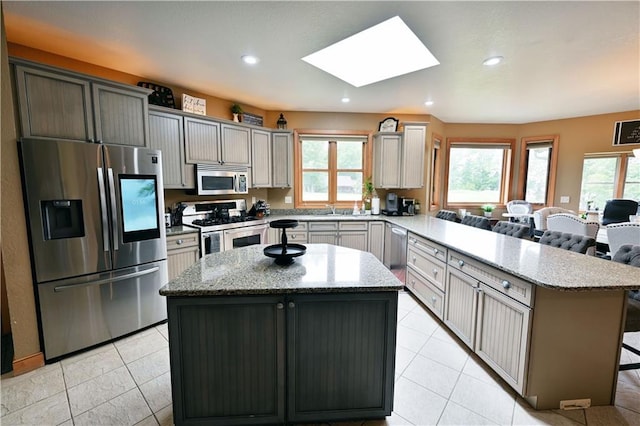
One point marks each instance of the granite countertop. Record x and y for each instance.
(180, 229)
(534, 262)
(323, 269)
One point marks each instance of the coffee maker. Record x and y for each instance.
(408, 206)
(392, 205)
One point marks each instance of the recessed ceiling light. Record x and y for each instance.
(494, 60)
(364, 58)
(345, 100)
(428, 103)
(250, 59)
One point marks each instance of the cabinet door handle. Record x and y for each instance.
(292, 305)
(461, 262)
(414, 259)
(433, 300)
(413, 282)
(436, 251)
(280, 305)
(506, 284)
(179, 242)
(435, 272)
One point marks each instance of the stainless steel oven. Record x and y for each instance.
(245, 236)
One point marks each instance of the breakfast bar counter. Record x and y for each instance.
(252, 342)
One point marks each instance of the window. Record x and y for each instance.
(478, 170)
(538, 161)
(331, 168)
(608, 176)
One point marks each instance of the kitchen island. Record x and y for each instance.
(252, 342)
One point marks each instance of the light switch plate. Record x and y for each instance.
(565, 199)
(288, 200)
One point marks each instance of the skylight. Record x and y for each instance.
(383, 51)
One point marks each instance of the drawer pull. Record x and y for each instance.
(506, 284)
(435, 272)
(433, 300)
(461, 262)
(178, 242)
(413, 282)
(436, 251)
(280, 306)
(414, 259)
(292, 305)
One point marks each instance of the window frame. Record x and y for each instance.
(437, 154)
(367, 157)
(554, 140)
(620, 174)
(508, 161)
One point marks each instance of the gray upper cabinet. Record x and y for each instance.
(166, 134)
(120, 115)
(398, 157)
(59, 104)
(236, 145)
(260, 158)
(387, 154)
(414, 140)
(201, 141)
(282, 143)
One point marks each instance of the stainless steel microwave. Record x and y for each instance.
(215, 180)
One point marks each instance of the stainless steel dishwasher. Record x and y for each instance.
(395, 250)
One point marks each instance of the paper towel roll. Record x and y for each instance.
(375, 205)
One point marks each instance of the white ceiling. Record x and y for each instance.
(562, 59)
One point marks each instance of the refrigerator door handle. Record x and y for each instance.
(114, 212)
(107, 280)
(103, 210)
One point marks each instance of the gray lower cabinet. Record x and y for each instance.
(376, 239)
(282, 358)
(60, 104)
(351, 234)
(183, 250)
(166, 134)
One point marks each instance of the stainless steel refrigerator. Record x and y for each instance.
(98, 244)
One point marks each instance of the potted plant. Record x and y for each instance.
(236, 110)
(488, 209)
(368, 192)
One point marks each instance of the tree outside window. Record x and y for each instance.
(598, 181)
(478, 171)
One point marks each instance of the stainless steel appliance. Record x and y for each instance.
(408, 206)
(395, 250)
(221, 180)
(97, 239)
(224, 225)
(393, 205)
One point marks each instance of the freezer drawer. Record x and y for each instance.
(81, 312)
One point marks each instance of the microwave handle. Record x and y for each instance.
(236, 183)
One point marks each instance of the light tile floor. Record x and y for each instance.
(437, 382)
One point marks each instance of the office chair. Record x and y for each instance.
(618, 210)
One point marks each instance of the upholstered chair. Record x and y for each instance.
(630, 255)
(520, 207)
(566, 241)
(618, 210)
(620, 234)
(448, 215)
(512, 229)
(572, 224)
(477, 222)
(540, 218)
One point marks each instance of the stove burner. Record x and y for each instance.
(212, 221)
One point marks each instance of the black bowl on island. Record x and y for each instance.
(284, 253)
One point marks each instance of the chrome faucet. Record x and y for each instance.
(332, 207)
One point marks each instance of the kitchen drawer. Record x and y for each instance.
(353, 226)
(506, 284)
(302, 226)
(428, 266)
(431, 296)
(181, 241)
(295, 236)
(323, 226)
(427, 247)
